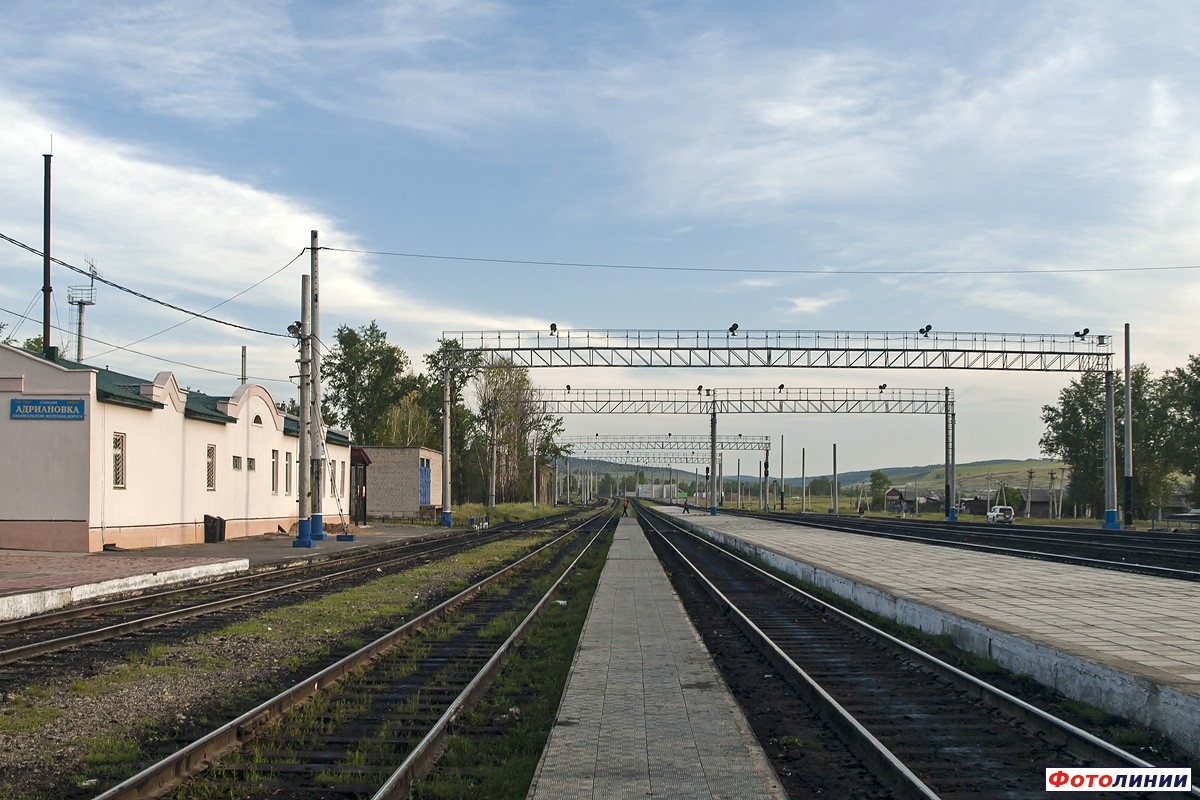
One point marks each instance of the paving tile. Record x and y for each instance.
(659, 721)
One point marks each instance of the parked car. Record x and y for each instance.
(1001, 514)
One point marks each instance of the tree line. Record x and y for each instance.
(1165, 413)
(372, 390)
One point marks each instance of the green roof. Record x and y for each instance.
(125, 390)
(203, 407)
(291, 427)
(114, 387)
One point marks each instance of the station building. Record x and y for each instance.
(92, 457)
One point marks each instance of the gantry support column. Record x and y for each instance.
(951, 489)
(447, 518)
(712, 461)
(1111, 522)
(1128, 438)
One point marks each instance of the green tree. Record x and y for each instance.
(817, 488)
(510, 413)
(880, 483)
(1075, 434)
(410, 423)
(1181, 417)
(366, 377)
(34, 344)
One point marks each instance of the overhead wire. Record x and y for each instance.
(218, 305)
(755, 270)
(143, 296)
(162, 358)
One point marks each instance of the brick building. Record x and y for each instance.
(403, 482)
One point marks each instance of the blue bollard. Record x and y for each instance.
(303, 539)
(318, 528)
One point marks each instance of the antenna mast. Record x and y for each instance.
(82, 296)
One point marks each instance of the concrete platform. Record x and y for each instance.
(645, 713)
(1129, 644)
(35, 582)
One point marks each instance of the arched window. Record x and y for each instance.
(257, 419)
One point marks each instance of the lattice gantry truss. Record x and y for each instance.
(744, 401)
(639, 445)
(926, 349)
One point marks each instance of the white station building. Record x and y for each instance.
(92, 457)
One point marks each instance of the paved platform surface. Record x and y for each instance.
(1143, 627)
(33, 582)
(645, 713)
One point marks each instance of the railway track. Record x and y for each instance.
(36, 647)
(369, 724)
(97, 636)
(877, 717)
(1166, 556)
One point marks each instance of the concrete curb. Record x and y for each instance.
(24, 605)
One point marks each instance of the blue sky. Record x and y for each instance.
(965, 147)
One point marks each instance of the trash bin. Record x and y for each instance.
(214, 529)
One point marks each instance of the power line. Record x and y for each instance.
(161, 358)
(136, 293)
(218, 305)
(758, 270)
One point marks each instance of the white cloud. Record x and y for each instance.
(194, 239)
(813, 305)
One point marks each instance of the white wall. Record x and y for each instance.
(56, 479)
(43, 463)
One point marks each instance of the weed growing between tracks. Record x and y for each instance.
(171, 693)
(496, 747)
(377, 713)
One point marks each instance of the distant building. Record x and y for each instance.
(95, 457)
(654, 491)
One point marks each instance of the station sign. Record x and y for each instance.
(46, 409)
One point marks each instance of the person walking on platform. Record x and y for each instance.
(625, 510)
(685, 505)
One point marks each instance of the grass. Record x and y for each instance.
(503, 512)
(494, 752)
(310, 630)
(27, 714)
(322, 714)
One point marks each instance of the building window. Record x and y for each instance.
(287, 472)
(237, 463)
(118, 461)
(258, 420)
(342, 493)
(332, 478)
(212, 467)
(274, 472)
(250, 465)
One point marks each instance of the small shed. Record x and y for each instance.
(406, 482)
(975, 505)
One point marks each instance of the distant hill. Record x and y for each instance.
(970, 476)
(973, 476)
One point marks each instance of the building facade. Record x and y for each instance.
(94, 457)
(403, 482)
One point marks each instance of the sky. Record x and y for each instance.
(1024, 167)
